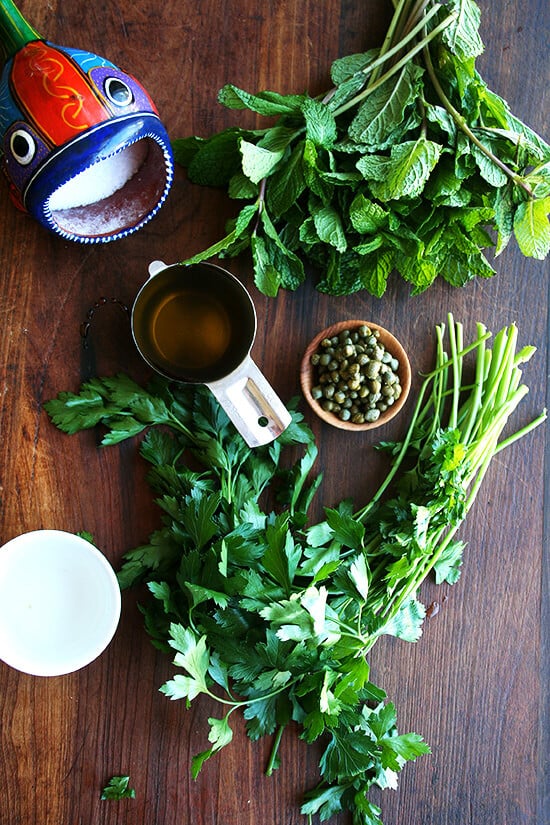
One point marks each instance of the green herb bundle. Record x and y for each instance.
(274, 617)
(410, 163)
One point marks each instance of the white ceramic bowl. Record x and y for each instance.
(59, 602)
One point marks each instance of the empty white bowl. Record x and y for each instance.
(59, 602)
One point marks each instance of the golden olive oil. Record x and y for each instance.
(190, 330)
(193, 323)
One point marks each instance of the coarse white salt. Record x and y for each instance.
(101, 180)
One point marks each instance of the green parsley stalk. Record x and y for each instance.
(476, 421)
(274, 617)
(408, 164)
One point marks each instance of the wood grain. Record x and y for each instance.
(475, 686)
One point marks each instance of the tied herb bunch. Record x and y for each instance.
(274, 617)
(410, 163)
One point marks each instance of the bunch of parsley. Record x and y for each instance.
(404, 165)
(272, 616)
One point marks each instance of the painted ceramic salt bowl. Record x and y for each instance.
(84, 149)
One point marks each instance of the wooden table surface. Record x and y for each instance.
(475, 685)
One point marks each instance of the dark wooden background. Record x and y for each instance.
(475, 686)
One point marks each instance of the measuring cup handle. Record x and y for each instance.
(252, 404)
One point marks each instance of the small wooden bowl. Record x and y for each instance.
(389, 342)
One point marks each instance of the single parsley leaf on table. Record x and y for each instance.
(118, 787)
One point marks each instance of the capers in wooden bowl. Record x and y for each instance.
(355, 375)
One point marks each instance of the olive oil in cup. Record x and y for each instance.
(196, 324)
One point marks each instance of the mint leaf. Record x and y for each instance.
(266, 276)
(367, 216)
(217, 159)
(532, 228)
(462, 33)
(383, 111)
(257, 162)
(345, 68)
(329, 227)
(320, 123)
(404, 173)
(287, 183)
(264, 103)
(374, 270)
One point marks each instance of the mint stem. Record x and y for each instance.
(460, 122)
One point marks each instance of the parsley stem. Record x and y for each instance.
(273, 758)
(480, 420)
(506, 442)
(475, 397)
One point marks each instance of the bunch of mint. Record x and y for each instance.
(410, 163)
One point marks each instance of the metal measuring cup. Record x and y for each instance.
(196, 324)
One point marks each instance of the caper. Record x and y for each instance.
(357, 377)
(373, 369)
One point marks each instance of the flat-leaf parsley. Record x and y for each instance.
(274, 617)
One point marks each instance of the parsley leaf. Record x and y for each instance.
(118, 787)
